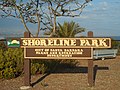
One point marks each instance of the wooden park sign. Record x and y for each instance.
(59, 48)
(62, 48)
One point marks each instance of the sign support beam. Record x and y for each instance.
(27, 66)
(90, 67)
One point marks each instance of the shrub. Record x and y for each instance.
(38, 66)
(1, 63)
(2, 44)
(115, 44)
(11, 62)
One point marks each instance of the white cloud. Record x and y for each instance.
(103, 5)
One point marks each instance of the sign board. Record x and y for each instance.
(62, 48)
(58, 53)
(66, 42)
(59, 48)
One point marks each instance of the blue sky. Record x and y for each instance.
(100, 16)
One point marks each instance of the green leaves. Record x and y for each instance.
(11, 62)
(69, 29)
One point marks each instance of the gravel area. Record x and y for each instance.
(107, 77)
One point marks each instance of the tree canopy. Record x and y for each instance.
(43, 13)
(69, 29)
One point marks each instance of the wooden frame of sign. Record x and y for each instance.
(61, 48)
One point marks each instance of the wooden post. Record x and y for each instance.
(27, 66)
(90, 67)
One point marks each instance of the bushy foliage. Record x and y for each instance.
(115, 44)
(2, 44)
(38, 66)
(11, 63)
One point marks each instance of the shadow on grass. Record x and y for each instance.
(68, 69)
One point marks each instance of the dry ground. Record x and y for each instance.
(107, 78)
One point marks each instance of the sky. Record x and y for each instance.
(100, 16)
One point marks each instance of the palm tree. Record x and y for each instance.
(69, 29)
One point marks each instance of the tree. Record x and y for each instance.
(27, 11)
(69, 29)
(67, 8)
(41, 12)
